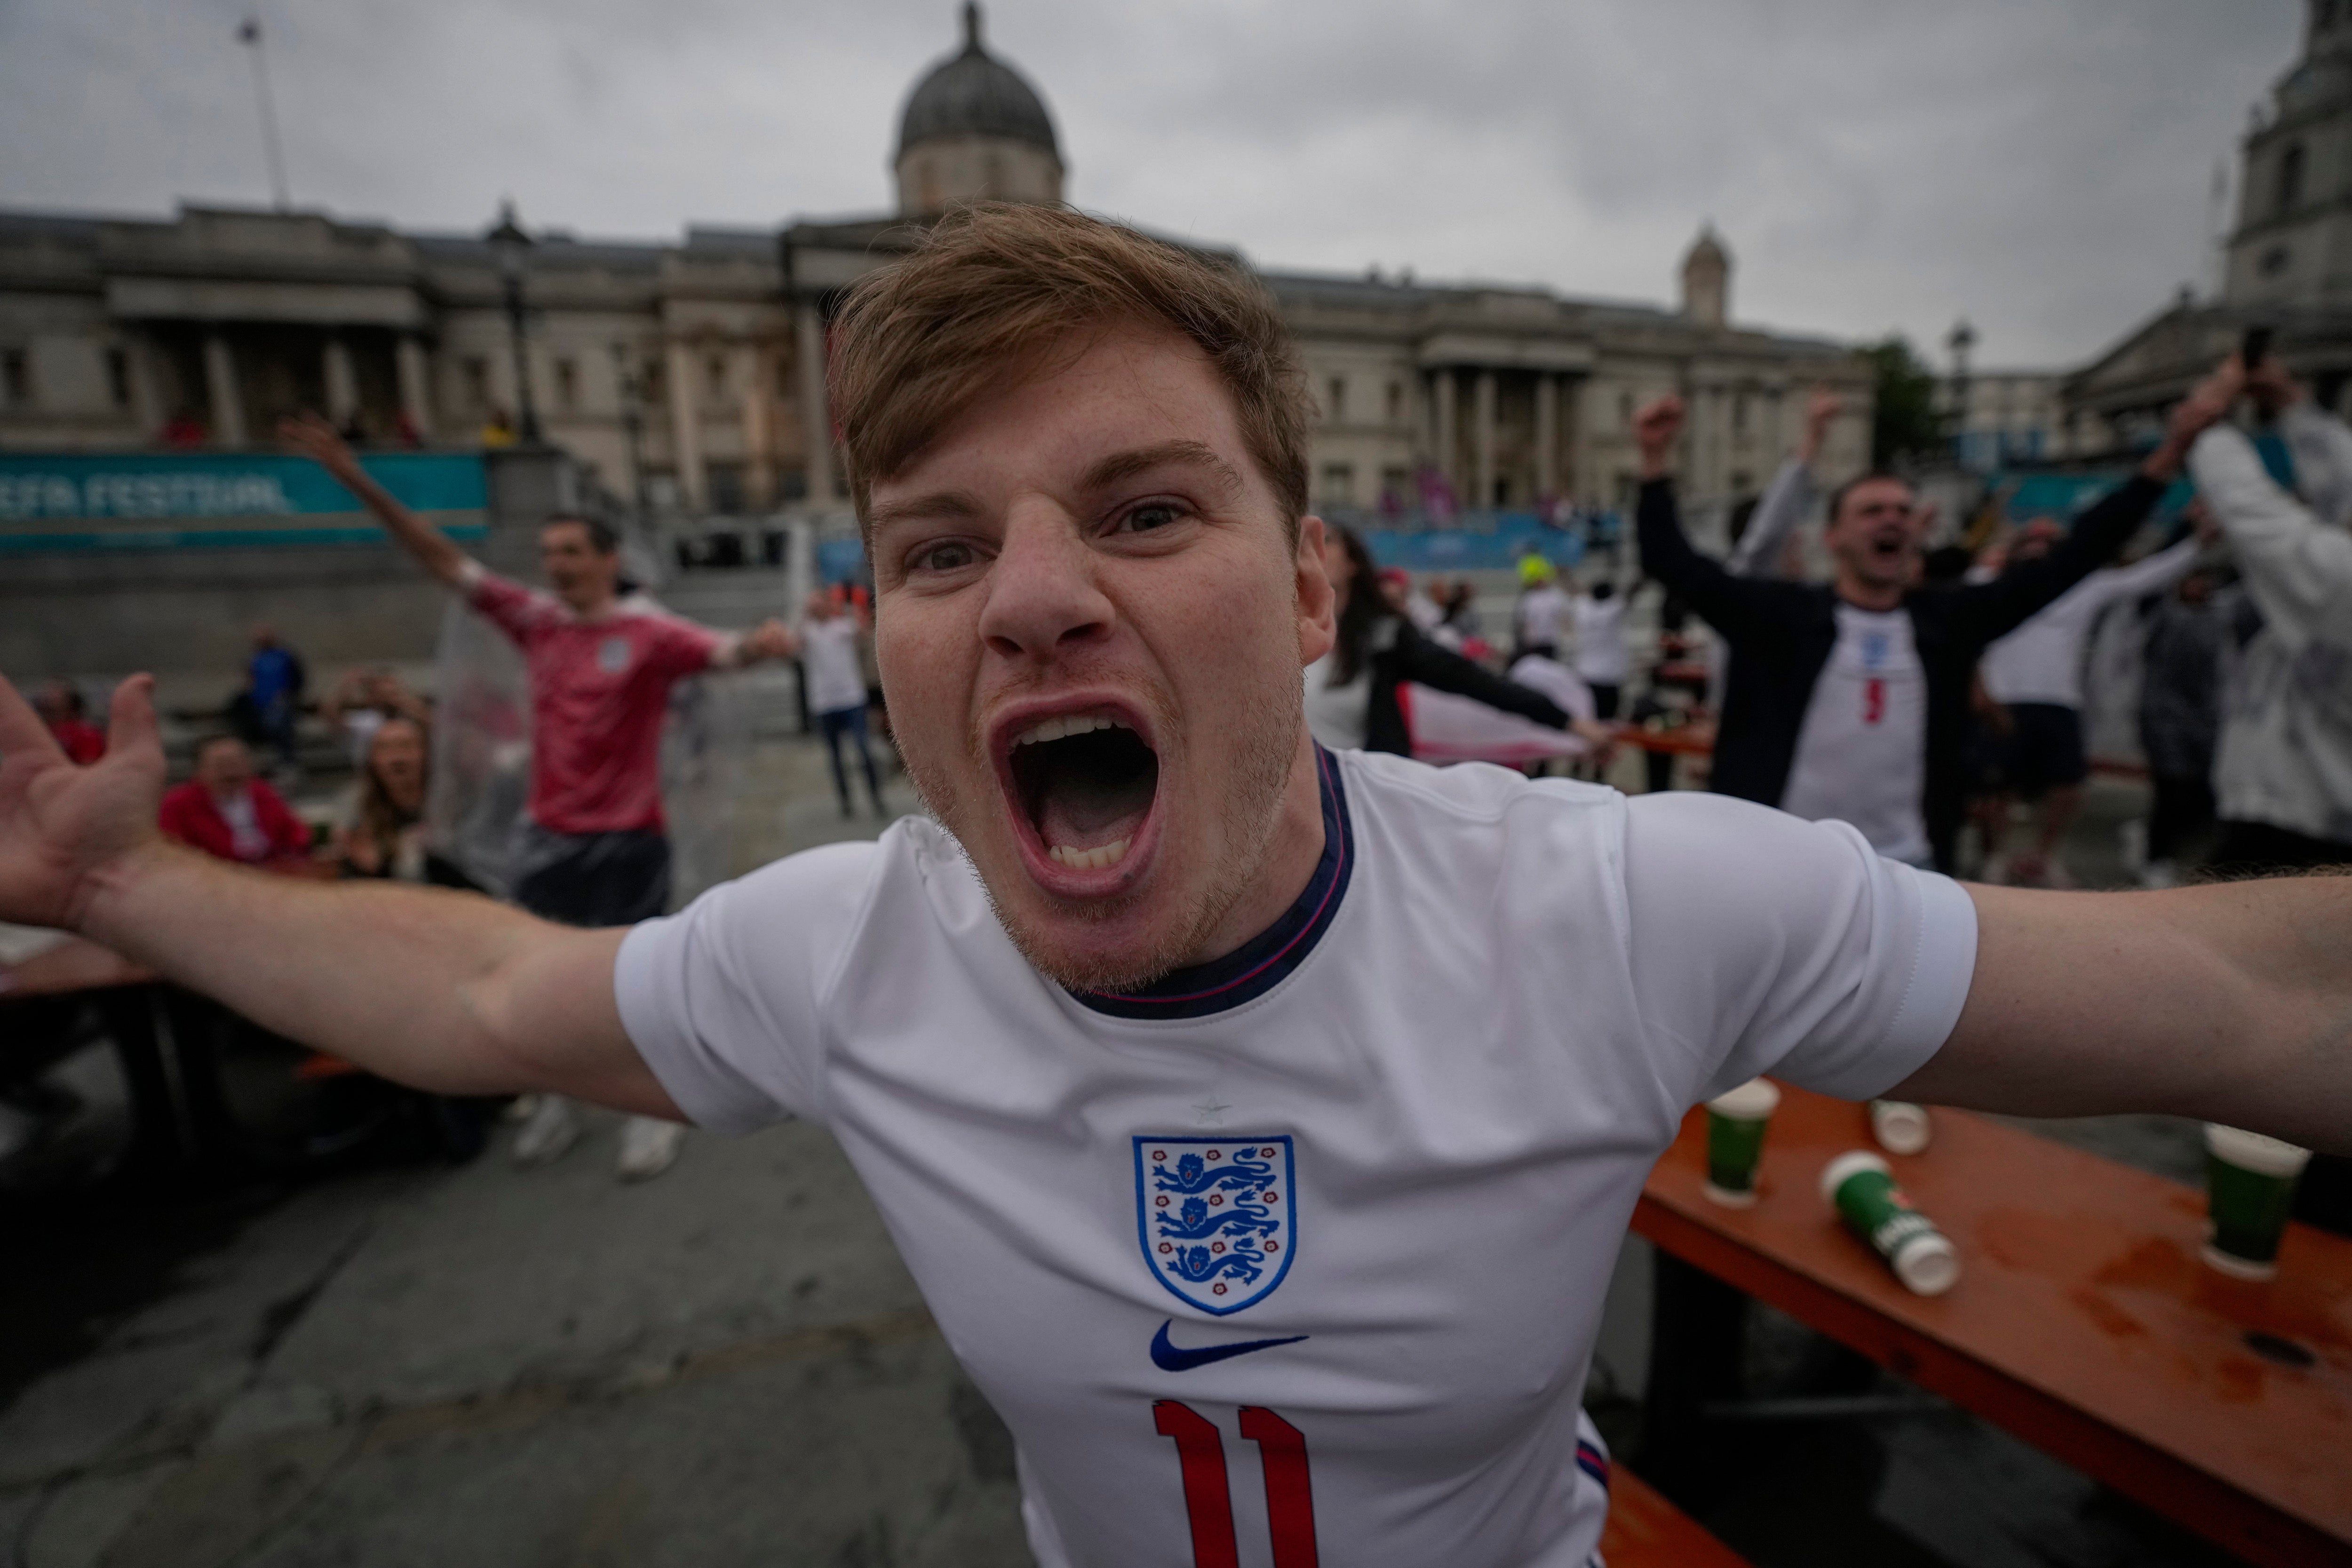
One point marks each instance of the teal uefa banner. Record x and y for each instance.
(168, 501)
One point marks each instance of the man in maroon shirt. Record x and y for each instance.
(592, 850)
(228, 812)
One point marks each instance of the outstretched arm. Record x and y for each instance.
(1789, 497)
(2231, 1003)
(317, 440)
(1990, 610)
(1726, 603)
(445, 991)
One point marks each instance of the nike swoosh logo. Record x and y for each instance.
(1169, 1358)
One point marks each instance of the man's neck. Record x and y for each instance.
(594, 610)
(1863, 595)
(1291, 856)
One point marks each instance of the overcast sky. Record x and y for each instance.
(2044, 166)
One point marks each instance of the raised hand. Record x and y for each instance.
(311, 435)
(62, 828)
(1821, 408)
(1655, 429)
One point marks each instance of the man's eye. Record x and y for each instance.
(1148, 516)
(947, 556)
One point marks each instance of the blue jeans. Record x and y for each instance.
(849, 721)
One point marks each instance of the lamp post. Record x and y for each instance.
(1962, 338)
(512, 247)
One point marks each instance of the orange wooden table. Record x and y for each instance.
(2083, 1321)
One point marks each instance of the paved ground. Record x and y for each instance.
(481, 1365)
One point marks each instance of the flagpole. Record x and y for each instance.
(249, 35)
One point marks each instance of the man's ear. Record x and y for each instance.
(1317, 617)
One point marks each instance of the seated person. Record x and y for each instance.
(228, 812)
(382, 834)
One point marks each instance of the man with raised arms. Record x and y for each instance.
(1261, 1123)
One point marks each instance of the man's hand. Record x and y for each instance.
(311, 435)
(63, 828)
(2269, 384)
(770, 639)
(1821, 409)
(2208, 404)
(1654, 430)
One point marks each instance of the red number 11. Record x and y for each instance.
(1208, 1504)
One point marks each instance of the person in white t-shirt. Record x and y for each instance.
(1261, 1123)
(830, 636)
(2036, 673)
(1542, 608)
(1601, 658)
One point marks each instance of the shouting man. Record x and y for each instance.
(1243, 1110)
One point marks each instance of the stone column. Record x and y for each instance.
(146, 407)
(415, 384)
(1448, 438)
(1547, 434)
(816, 411)
(685, 427)
(1581, 478)
(1482, 435)
(343, 381)
(221, 390)
(759, 434)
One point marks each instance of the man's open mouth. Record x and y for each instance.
(1084, 783)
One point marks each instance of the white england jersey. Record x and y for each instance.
(1302, 1253)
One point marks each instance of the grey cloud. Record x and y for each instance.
(2042, 166)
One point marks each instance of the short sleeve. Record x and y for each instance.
(724, 1000)
(680, 646)
(509, 605)
(1764, 943)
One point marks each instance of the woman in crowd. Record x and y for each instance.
(383, 832)
(1351, 692)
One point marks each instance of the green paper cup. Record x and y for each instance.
(1900, 1127)
(1864, 1194)
(2249, 1186)
(1736, 1123)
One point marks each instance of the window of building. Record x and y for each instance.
(1339, 484)
(1743, 483)
(1739, 415)
(2275, 261)
(474, 371)
(1335, 407)
(1396, 402)
(567, 385)
(714, 370)
(1396, 485)
(725, 483)
(15, 378)
(1625, 409)
(2290, 178)
(118, 377)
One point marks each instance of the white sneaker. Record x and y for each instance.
(648, 1147)
(552, 1127)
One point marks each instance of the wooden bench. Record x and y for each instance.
(1645, 1530)
(2083, 1321)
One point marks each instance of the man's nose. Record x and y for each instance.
(1043, 598)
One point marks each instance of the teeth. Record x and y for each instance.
(1094, 859)
(1075, 724)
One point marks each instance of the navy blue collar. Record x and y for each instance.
(1263, 961)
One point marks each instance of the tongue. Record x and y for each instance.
(1083, 813)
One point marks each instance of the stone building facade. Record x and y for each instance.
(690, 374)
(2287, 263)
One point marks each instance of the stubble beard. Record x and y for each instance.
(1266, 740)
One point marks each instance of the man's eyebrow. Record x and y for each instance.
(937, 506)
(1126, 465)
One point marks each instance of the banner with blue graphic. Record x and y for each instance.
(81, 502)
